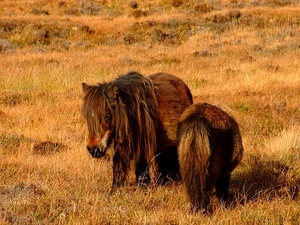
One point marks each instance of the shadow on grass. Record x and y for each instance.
(264, 180)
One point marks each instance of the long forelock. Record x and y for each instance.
(94, 102)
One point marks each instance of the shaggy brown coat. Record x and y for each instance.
(130, 115)
(173, 97)
(209, 149)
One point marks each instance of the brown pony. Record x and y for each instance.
(209, 149)
(137, 116)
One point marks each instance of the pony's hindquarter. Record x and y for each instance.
(173, 97)
(209, 149)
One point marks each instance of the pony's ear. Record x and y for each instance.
(85, 87)
(112, 92)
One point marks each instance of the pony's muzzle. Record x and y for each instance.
(96, 152)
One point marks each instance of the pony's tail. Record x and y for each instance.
(193, 155)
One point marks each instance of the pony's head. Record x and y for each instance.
(98, 110)
(123, 112)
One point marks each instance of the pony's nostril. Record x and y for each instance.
(96, 152)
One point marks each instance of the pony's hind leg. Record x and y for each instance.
(168, 167)
(200, 198)
(202, 204)
(222, 187)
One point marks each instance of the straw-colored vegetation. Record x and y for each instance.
(244, 55)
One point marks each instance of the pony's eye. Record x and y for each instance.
(107, 117)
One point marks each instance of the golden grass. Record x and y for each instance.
(285, 145)
(249, 63)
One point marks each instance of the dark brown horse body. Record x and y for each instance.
(209, 149)
(173, 97)
(138, 117)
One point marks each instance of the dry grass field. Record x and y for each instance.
(244, 55)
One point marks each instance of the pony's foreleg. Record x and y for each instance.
(142, 172)
(120, 170)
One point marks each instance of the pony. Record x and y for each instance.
(137, 117)
(210, 147)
